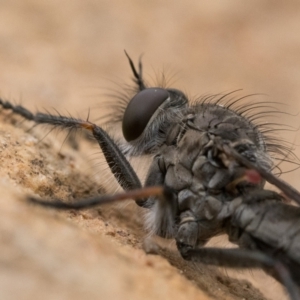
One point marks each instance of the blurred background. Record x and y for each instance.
(64, 54)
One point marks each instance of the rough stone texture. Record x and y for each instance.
(62, 55)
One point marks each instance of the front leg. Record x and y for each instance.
(118, 164)
(116, 160)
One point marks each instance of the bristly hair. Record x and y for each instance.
(255, 112)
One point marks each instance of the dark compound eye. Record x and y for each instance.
(140, 110)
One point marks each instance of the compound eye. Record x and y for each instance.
(140, 110)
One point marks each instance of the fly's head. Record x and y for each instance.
(149, 115)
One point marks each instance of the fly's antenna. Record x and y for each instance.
(138, 77)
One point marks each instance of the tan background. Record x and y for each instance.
(62, 55)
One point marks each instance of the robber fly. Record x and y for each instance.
(209, 165)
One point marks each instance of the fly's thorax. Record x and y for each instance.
(217, 120)
(193, 166)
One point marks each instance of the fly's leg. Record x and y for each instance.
(237, 258)
(115, 159)
(17, 109)
(141, 193)
(117, 162)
